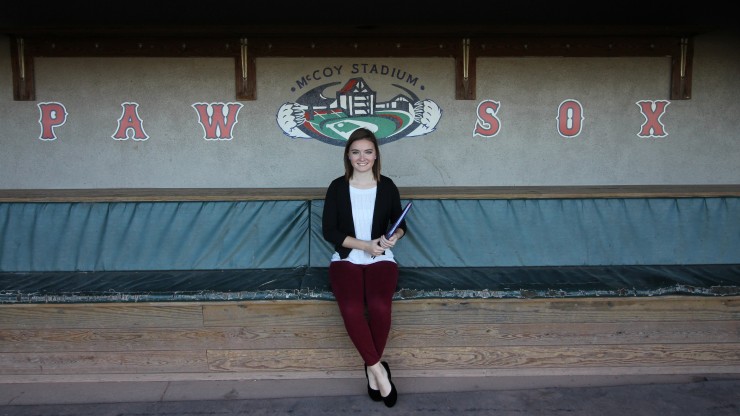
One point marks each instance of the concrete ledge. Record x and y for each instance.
(171, 391)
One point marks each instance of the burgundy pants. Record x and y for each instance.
(364, 294)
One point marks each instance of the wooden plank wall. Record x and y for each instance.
(286, 339)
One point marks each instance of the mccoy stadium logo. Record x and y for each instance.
(331, 115)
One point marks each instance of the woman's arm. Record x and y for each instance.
(330, 218)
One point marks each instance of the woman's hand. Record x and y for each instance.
(388, 242)
(379, 245)
(374, 247)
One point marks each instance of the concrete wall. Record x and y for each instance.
(702, 144)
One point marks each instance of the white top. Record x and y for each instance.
(363, 205)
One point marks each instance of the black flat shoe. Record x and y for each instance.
(374, 394)
(392, 397)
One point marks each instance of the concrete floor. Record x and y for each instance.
(696, 396)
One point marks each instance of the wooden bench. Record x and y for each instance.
(494, 340)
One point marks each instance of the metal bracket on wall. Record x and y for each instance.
(245, 51)
(246, 85)
(465, 73)
(23, 72)
(681, 69)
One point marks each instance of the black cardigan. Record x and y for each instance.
(337, 222)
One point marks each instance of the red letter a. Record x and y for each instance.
(130, 120)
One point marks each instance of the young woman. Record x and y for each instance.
(358, 209)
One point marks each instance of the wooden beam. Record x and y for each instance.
(24, 50)
(679, 49)
(245, 51)
(422, 192)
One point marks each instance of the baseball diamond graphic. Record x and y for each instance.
(314, 115)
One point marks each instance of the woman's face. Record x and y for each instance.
(362, 155)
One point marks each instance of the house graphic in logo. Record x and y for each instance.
(331, 119)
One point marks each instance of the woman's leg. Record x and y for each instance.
(381, 279)
(347, 285)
